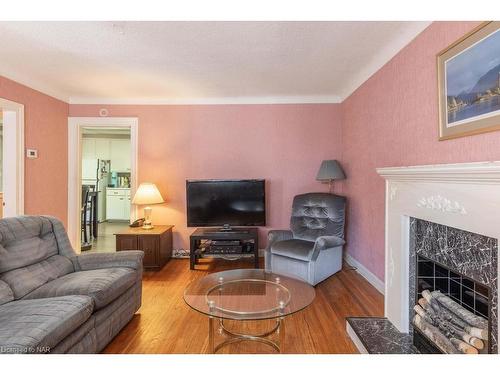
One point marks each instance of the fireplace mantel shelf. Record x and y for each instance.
(480, 172)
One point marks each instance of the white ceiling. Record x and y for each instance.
(199, 62)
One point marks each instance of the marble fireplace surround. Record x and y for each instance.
(464, 196)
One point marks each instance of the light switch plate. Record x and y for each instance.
(31, 153)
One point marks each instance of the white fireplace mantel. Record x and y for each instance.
(482, 172)
(465, 196)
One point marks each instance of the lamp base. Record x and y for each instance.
(147, 218)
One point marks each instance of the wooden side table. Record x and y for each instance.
(156, 244)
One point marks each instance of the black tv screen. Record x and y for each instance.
(225, 202)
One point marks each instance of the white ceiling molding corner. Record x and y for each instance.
(384, 56)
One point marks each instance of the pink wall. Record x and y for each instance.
(46, 178)
(392, 120)
(282, 143)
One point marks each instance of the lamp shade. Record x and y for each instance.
(147, 193)
(330, 170)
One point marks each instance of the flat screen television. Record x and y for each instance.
(226, 203)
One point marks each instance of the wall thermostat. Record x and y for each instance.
(31, 153)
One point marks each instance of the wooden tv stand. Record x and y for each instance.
(247, 237)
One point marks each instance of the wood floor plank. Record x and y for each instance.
(165, 324)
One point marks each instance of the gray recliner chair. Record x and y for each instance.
(312, 249)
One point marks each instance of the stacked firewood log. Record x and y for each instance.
(452, 328)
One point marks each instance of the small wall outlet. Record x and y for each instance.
(31, 153)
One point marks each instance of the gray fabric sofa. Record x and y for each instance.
(55, 301)
(312, 249)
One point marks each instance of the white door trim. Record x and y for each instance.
(75, 125)
(14, 159)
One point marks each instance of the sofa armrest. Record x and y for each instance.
(327, 242)
(278, 235)
(128, 259)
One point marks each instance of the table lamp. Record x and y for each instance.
(328, 171)
(147, 194)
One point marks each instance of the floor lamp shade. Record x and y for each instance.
(147, 194)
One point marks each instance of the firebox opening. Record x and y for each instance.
(453, 289)
(444, 299)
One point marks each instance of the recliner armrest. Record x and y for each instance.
(129, 259)
(278, 235)
(326, 242)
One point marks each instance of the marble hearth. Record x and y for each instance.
(463, 197)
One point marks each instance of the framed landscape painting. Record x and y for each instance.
(469, 84)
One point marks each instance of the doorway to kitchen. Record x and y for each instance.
(105, 186)
(11, 158)
(103, 153)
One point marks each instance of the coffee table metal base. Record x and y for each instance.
(234, 337)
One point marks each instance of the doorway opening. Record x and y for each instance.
(103, 153)
(105, 184)
(11, 158)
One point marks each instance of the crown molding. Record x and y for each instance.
(210, 101)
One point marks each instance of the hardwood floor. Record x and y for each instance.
(165, 324)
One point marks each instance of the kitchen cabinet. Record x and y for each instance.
(88, 148)
(117, 204)
(102, 149)
(116, 150)
(120, 155)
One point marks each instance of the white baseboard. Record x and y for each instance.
(363, 271)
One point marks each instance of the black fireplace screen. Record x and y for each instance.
(472, 295)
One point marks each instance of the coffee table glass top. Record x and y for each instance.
(248, 294)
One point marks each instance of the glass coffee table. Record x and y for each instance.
(247, 295)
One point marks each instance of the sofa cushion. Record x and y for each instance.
(296, 249)
(36, 326)
(103, 285)
(26, 279)
(25, 240)
(6, 293)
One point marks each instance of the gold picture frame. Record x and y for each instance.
(466, 70)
